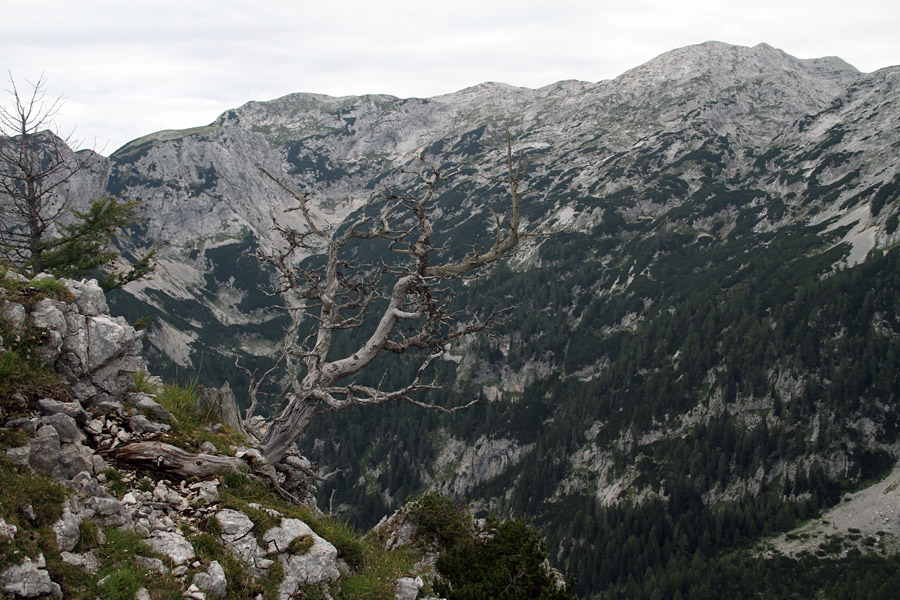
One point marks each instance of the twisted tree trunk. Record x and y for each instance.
(284, 431)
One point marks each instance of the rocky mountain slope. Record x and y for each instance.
(707, 342)
(80, 518)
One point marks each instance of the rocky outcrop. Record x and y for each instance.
(95, 352)
(29, 579)
(72, 441)
(307, 558)
(484, 460)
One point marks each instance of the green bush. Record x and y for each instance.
(507, 564)
(440, 519)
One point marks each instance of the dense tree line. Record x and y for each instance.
(719, 326)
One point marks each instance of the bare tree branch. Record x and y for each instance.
(414, 320)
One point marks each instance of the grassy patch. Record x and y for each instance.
(32, 503)
(120, 575)
(192, 427)
(29, 294)
(21, 490)
(301, 544)
(143, 383)
(379, 572)
(23, 376)
(12, 438)
(116, 482)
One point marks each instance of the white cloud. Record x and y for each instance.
(130, 68)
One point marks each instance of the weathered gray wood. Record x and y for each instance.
(221, 405)
(171, 460)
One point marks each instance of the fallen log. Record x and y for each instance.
(171, 460)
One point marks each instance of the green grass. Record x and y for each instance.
(143, 384)
(374, 569)
(22, 494)
(23, 375)
(191, 426)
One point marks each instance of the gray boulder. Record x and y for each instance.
(108, 512)
(66, 529)
(173, 544)
(19, 457)
(407, 588)
(29, 579)
(146, 403)
(141, 424)
(44, 450)
(213, 581)
(318, 564)
(49, 406)
(72, 460)
(89, 296)
(238, 538)
(151, 564)
(87, 561)
(65, 426)
(14, 313)
(49, 314)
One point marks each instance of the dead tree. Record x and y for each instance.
(40, 229)
(36, 167)
(416, 319)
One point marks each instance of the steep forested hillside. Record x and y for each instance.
(704, 346)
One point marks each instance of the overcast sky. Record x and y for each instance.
(129, 68)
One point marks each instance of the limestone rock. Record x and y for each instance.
(141, 424)
(49, 406)
(145, 402)
(65, 426)
(213, 581)
(89, 296)
(66, 528)
(173, 544)
(29, 579)
(73, 459)
(407, 588)
(151, 564)
(44, 450)
(396, 530)
(14, 313)
(238, 538)
(87, 561)
(207, 491)
(49, 314)
(316, 565)
(19, 457)
(108, 512)
(7, 530)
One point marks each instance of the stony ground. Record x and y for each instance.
(868, 519)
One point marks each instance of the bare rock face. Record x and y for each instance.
(316, 564)
(94, 351)
(29, 579)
